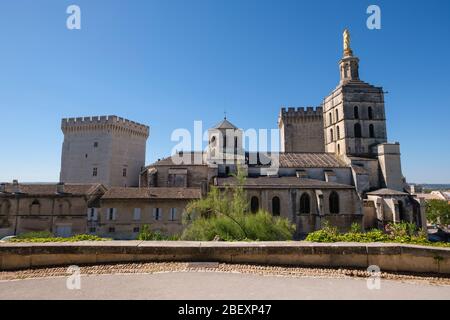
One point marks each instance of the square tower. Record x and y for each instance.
(301, 130)
(107, 150)
(353, 114)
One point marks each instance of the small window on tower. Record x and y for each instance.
(124, 172)
(95, 144)
(94, 172)
(356, 112)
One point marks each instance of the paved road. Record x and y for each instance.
(209, 285)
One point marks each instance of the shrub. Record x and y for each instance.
(225, 214)
(407, 233)
(148, 235)
(260, 226)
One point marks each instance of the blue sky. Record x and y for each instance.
(167, 63)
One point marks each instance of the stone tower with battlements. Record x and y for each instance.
(107, 149)
(301, 130)
(353, 114)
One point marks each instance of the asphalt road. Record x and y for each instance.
(212, 285)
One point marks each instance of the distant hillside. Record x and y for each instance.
(435, 186)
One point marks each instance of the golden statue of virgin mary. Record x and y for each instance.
(347, 49)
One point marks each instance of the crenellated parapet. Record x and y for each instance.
(301, 114)
(104, 123)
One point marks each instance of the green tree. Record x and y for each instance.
(226, 214)
(438, 212)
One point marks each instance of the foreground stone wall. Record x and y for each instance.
(389, 257)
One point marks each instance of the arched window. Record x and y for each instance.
(337, 115)
(371, 131)
(339, 149)
(305, 205)
(276, 206)
(338, 133)
(358, 130)
(254, 204)
(356, 112)
(235, 145)
(334, 202)
(370, 112)
(331, 135)
(213, 141)
(35, 207)
(331, 118)
(224, 144)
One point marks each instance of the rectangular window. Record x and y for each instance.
(137, 214)
(111, 230)
(124, 172)
(94, 172)
(157, 214)
(112, 213)
(92, 214)
(95, 144)
(173, 214)
(136, 229)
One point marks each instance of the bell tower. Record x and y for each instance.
(353, 114)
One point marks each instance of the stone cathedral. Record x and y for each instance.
(335, 165)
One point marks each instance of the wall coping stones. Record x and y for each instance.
(388, 256)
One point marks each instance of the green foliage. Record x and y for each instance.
(225, 215)
(355, 228)
(37, 237)
(260, 226)
(403, 232)
(148, 235)
(438, 212)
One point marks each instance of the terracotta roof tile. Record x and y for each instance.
(310, 160)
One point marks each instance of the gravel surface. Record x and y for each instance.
(151, 268)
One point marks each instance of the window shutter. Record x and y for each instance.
(114, 214)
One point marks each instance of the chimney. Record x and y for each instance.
(3, 188)
(60, 188)
(15, 186)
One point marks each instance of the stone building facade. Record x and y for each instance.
(107, 150)
(335, 165)
(301, 130)
(57, 208)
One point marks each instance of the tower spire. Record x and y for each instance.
(349, 64)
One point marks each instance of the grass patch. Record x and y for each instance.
(37, 237)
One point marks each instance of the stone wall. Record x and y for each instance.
(388, 257)
(108, 144)
(301, 130)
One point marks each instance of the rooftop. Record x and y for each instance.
(48, 189)
(152, 193)
(225, 124)
(387, 192)
(282, 183)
